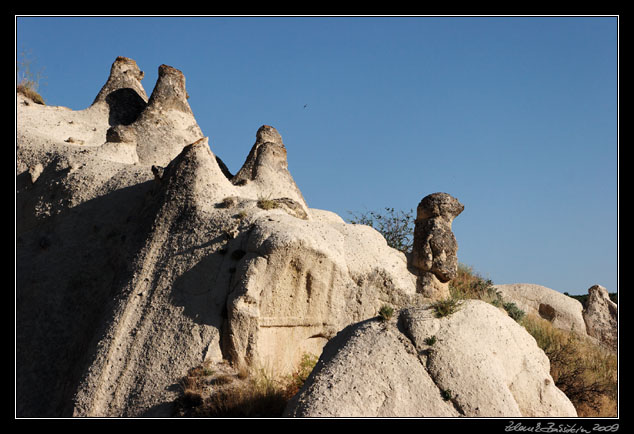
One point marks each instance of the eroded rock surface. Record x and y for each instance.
(139, 256)
(562, 311)
(476, 362)
(435, 246)
(601, 317)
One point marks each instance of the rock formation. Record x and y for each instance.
(165, 125)
(601, 317)
(123, 93)
(562, 311)
(435, 247)
(476, 362)
(139, 256)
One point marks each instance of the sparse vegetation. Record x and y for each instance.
(244, 394)
(386, 312)
(470, 285)
(514, 312)
(446, 394)
(445, 307)
(397, 227)
(298, 378)
(227, 202)
(266, 203)
(242, 214)
(28, 80)
(586, 373)
(430, 340)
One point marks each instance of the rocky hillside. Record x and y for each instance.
(139, 256)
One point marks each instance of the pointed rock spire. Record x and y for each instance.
(170, 92)
(266, 169)
(123, 93)
(165, 125)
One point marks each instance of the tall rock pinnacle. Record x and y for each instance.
(123, 93)
(266, 169)
(165, 125)
(435, 247)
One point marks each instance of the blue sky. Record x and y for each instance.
(514, 116)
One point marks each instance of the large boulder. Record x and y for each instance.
(562, 311)
(476, 362)
(601, 317)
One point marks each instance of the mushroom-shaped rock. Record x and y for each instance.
(435, 246)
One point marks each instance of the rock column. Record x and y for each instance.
(434, 251)
(601, 317)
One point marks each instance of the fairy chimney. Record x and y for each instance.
(434, 251)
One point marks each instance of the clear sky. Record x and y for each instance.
(517, 117)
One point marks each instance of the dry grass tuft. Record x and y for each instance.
(267, 204)
(244, 394)
(30, 92)
(585, 372)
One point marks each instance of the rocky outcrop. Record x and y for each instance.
(476, 362)
(139, 256)
(601, 317)
(123, 93)
(265, 171)
(165, 125)
(434, 249)
(562, 311)
(299, 282)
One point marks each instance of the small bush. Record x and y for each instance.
(397, 227)
(267, 204)
(386, 312)
(445, 307)
(298, 378)
(514, 312)
(446, 394)
(430, 340)
(470, 285)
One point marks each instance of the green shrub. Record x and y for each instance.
(397, 227)
(445, 307)
(446, 394)
(430, 340)
(514, 312)
(386, 312)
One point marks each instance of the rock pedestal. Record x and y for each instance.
(434, 251)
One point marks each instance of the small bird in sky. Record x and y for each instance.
(305, 105)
